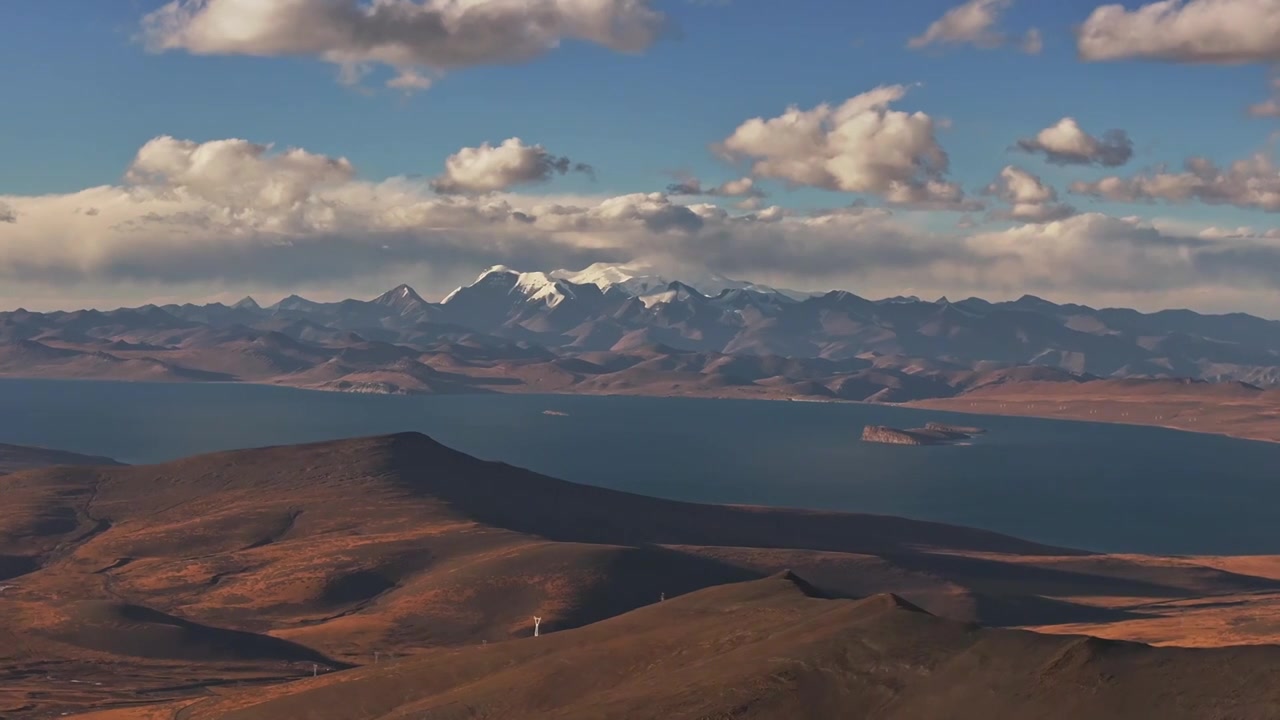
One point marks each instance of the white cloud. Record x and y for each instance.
(744, 187)
(974, 23)
(1190, 31)
(490, 168)
(1252, 183)
(1029, 199)
(860, 146)
(245, 179)
(201, 219)
(417, 38)
(1065, 143)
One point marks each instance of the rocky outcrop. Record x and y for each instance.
(930, 434)
(894, 436)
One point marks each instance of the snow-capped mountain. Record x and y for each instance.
(531, 286)
(651, 286)
(617, 316)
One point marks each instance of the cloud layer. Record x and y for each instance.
(859, 146)
(417, 38)
(244, 215)
(1252, 183)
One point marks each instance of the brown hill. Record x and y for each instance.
(1228, 408)
(396, 545)
(770, 649)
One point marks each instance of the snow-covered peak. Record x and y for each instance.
(496, 270)
(645, 282)
(634, 279)
(533, 286)
(542, 286)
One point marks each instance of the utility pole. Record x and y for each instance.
(537, 621)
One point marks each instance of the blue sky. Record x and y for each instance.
(84, 95)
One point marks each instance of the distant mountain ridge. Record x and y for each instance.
(628, 329)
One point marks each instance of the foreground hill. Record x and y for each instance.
(611, 330)
(136, 584)
(773, 649)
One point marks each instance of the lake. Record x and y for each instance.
(1087, 485)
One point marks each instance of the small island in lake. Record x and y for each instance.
(931, 434)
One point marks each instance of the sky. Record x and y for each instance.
(202, 150)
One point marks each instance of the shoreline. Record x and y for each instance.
(1092, 409)
(1080, 414)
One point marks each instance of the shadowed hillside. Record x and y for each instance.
(18, 457)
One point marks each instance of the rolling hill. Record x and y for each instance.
(129, 586)
(775, 648)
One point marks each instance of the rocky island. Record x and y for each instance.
(931, 434)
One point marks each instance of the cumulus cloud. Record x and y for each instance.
(1029, 199)
(860, 146)
(1065, 143)
(195, 217)
(417, 38)
(1189, 31)
(1252, 183)
(744, 187)
(246, 180)
(974, 23)
(490, 168)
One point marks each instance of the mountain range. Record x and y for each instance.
(393, 577)
(621, 329)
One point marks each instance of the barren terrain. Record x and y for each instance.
(776, 648)
(1234, 409)
(130, 586)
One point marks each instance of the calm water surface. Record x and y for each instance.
(1103, 487)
